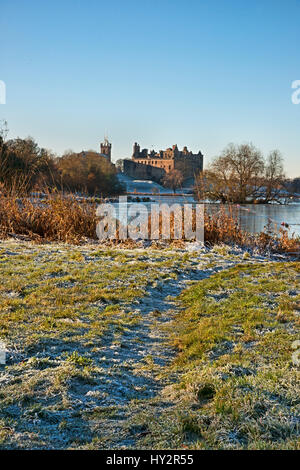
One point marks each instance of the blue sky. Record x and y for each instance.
(200, 73)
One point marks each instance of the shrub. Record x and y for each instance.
(89, 173)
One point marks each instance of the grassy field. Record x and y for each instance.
(238, 383)
(111, 348)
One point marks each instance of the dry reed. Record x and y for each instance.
(64, 218)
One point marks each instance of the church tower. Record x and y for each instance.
(105, 149)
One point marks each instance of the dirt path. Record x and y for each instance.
(103, 397)
(133, 369)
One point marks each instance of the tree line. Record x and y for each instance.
(241, 174)
(26, 167)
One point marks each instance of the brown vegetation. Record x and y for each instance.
(25, 167)
(65, 218)
(57, 217)
(173, 180)
(241, 175)
(87, 172)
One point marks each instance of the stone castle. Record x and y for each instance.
(154, 165)
(105, 149)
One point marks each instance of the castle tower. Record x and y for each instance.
(136, 150)
(105, 149)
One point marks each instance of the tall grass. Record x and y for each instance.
(223, 227)
(55, 218)
(64, 218)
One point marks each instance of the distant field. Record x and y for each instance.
(111, 348)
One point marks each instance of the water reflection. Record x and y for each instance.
(252, 218)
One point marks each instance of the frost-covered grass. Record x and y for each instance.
(237, 386)
(91, 336)
(62, 308)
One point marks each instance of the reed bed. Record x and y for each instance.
(55, 218)
(64, 218)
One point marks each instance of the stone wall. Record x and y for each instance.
(143, 172)
(189, 163)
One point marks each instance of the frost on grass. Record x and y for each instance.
(238, 386)
(89, 358)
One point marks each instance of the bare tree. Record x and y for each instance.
(119, 165)
(241, 175)
(274, 176)
(24, 165)
(173, 180)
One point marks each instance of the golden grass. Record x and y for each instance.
(56, 218)
(64, 218)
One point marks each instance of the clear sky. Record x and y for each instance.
(200, 73)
